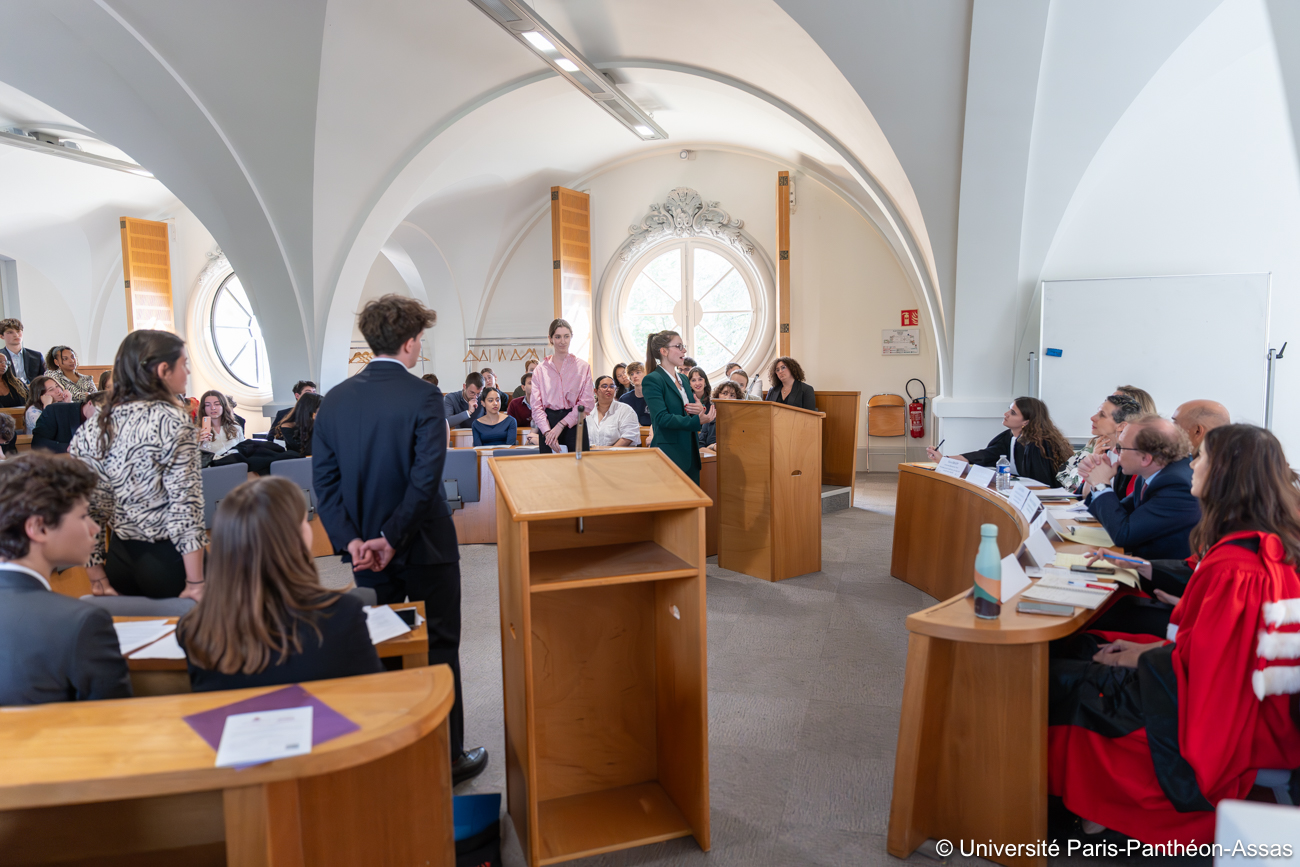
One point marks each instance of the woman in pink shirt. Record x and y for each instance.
(561, 384)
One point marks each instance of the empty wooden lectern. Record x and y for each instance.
(769, 489)
(603, 642)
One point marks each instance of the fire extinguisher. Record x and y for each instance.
(916, 410)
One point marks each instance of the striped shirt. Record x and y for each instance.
(561, 389)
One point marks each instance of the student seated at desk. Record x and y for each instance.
(494, 427)
(636, 397)
(61, 421)
(1145, 736)
(728, 390)
(1107, 423)
(1031, 442)
(53, 647)
(265, 619)
(611, 423)
(1153, 521)
(519, 407)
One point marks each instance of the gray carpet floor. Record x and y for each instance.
(805, 686)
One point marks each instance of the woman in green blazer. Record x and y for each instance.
(675, 421)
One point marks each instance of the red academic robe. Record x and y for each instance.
(1236, 660)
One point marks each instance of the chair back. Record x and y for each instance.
(460, 477)
(298, 471)
(367, 595)
(217, 482)
(140, 606)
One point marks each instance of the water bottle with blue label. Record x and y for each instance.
(1004, 474)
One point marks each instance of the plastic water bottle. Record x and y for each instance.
(988, 574)
(1004, 474)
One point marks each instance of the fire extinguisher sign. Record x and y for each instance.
(911, 317)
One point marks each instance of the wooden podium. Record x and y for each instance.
(603, 646)
(769, 489)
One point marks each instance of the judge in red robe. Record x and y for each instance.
(1146, 736)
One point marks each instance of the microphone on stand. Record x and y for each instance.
(577, 431)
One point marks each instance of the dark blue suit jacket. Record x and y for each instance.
(378, 451)
(1154, 521)
(54, 647)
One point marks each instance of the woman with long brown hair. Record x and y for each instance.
(1031, 442)
(12, 391)
(265, 618)
(676, 415)
(150, 496)
(61, 364)
(561, 384)
(297, 427)
(1148, 735)
(219, 433)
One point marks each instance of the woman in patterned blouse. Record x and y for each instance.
(150, 495)
(61, 366)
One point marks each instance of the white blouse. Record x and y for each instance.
(620, 422)
(220, 443)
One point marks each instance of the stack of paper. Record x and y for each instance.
(1053, 493)
(1095, 536)
(1053, 588)
(383, 623)
(165, 648)
(134, 634)
(1122, 574)
(1078, 510)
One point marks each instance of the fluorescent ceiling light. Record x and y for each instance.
(538, 41)
(521, 22)
(31, 143)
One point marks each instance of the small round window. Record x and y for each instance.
(237, 336)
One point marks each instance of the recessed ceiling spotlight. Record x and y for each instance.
(566, 64)
(538, 41)
(644, 130)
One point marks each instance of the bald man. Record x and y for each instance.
(1155, 520)
(1199, 417)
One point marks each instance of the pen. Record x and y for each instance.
(940, 445)
(1110, 556)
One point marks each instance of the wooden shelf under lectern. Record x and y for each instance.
(769, 489)
(601, 567)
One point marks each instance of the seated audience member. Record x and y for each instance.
(430, 378)
(301, 387)
(636, 398)
(61, 364)
(700, 387)
(44, 391)
(611, 423)
(729, 369)
(1155, 520)
(788, 386)
(1107, 422)
(740, 378)
(1031, 442)
(1146, 401)
(106, 380)
(464, 406)
(219, 433)
(528, 368)
(8, 436)
(727, 390)
(494, 427)
(489, 378)
(685, 367)
(622, 385)
(54, 647)
(60, 422)
(297, 426)
(1199, 417)
(520, 409)
(265, 619)
(1147, 736)
(27, 363)
(13, 393)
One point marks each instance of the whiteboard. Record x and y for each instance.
(1180, 338)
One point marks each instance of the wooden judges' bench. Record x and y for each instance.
(972, 741)
(128, 782)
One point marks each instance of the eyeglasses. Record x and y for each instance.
(676, 346)
(1119, 448)
(608, 385)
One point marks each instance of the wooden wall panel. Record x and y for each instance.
(840, 437)
(571, 265)
(783, 262)
(147, 272)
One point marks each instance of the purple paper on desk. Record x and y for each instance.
(326, 722)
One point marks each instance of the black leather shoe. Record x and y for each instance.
(468, 765)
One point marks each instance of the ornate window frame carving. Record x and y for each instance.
(685, 215)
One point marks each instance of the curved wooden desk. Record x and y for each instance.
(928, 553)
(129, 782)
(972, 740)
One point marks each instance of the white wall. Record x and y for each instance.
(1200, 177)
(847, 283)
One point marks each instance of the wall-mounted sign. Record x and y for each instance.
(911, 317)
(900, 341)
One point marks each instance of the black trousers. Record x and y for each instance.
(438, 587)
(137, 568)
(568, 436)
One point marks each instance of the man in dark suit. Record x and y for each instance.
(301, 387)
(1153, 522)
(59, 421)
(52, 647)
(463, 406)
(379, 447)
(27, 363)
